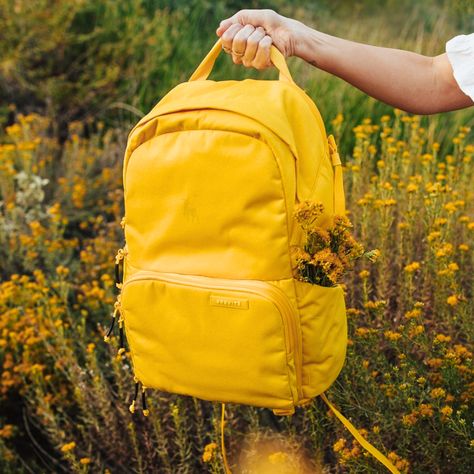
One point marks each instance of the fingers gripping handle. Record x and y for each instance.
(204, 69)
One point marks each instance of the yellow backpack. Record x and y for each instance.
(209, 301)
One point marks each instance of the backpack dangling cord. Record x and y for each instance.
(362, 441)
(339, 199)
(224, 456)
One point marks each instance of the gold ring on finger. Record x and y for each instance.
(239, 55)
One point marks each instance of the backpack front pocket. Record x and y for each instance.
(215, 339)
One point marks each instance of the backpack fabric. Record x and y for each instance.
(211, 306)
(209, 301)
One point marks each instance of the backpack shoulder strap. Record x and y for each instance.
(363, 442)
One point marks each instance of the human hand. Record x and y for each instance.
(249, 34)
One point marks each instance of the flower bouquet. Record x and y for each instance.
(327, 252)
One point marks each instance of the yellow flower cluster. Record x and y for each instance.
(328, 251)
(412, 267)
(7, 431)
(209, 452)
(68, 447)
(401, 464)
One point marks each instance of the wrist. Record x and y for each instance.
(311, 45)
(300, 34)
(296, 32)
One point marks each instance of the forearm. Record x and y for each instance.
(406, 80)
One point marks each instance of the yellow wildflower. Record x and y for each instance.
(339, 445)
(392, 336)
(375, 304)
(434, 363)
(373, 255)
(433, 235)
(307, 212)
(68, 447)
(442, 338)
(440, 221)
(438, 392)
(426, 410)
(364, 332)
(62, 271)
(462, 351)
(412, 267)
(175, 411)
(414, 313)
(402, 465)
(416, 330)
(446, 411)
(452, 300)
(410, 419)
(444, 250)
(85, 461)
(300, 255)
(90, 347)
(6, 431)
(209, 451)
(364, 274)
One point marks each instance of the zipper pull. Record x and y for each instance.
(111, 328)
(145, 410)
(112, 324)
(121, 253)
(121, 344)
(132, 406)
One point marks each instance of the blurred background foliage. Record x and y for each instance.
(74, 78)
(85, 59)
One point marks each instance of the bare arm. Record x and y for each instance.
(412, 82)
(409, 81)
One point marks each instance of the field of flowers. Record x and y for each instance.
(408, 381)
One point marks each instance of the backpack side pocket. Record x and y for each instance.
(324, 335)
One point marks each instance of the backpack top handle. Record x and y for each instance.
(204, 69)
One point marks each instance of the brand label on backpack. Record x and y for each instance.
(229, 302)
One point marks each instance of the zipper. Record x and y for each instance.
(269, 292)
